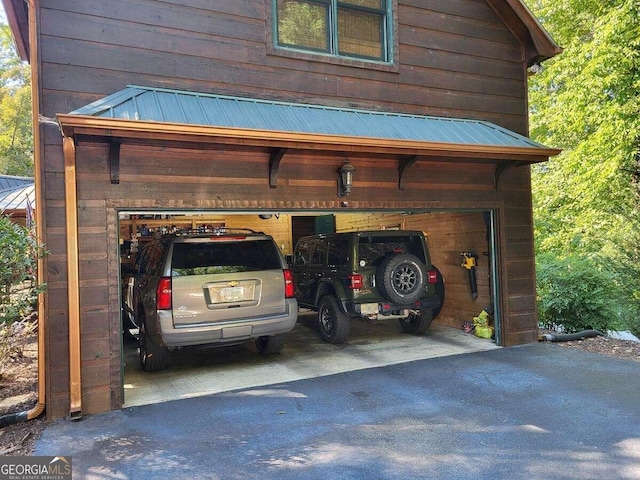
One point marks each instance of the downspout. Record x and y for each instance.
(570, 337)
(39, 407)
(73, 277)
(34, 53)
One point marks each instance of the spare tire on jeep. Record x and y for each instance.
(401, 278)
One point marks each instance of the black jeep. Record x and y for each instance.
(372, 274)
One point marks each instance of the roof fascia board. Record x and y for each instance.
(19, 24)
(544, 47)
(81, 125)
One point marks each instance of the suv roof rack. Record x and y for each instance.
(213, 231)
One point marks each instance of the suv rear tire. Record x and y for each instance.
(417, 323)
(401, 278)
(333, 323)
(152, 357)
(270, 344)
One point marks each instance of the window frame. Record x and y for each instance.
(390, 38)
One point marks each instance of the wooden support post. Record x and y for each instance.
(403, 165)
(274, 165)
(114, 161)
(503, 167)
(73, 274)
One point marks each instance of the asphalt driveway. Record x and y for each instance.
(538, 411)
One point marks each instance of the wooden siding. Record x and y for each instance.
(456, 59)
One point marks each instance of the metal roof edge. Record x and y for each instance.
(84, 124)
(110, 101)
(114, 100)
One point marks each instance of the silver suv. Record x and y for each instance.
(223, 287)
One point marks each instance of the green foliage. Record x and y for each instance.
(578, 294)
(19, 253)
(587, 102)
(16, 137)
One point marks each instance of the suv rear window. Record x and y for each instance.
(218, 257)
(373, 248)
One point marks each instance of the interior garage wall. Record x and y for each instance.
(161, 177)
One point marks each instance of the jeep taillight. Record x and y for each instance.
(163, 294)
(289, 290)
(432, 277)
(355, 281)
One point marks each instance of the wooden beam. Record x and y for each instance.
(73, 274)
(404, 164)
(125, 129)
(114, 161)
(274, 164)
(503, 167)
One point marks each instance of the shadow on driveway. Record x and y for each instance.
(537, 411)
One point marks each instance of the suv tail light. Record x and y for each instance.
(163, 294)
(289, 290)
(432, 277)
(355, 281)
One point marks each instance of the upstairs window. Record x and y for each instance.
(342, 28)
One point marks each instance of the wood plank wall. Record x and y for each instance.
(455, 59)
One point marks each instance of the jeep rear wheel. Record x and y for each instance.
(333, 323)
(439, 287)
(401, 278)
(152, 357)
(417, 323)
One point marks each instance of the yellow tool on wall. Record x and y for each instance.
(469, 261)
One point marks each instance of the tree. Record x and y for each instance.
(587, 102)
(16, 137)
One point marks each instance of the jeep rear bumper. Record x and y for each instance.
(391, 310)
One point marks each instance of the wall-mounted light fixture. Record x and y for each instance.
(535, 68)
(345, 179)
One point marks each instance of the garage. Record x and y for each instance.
(462, 182)
(452, 236)
(186, 108)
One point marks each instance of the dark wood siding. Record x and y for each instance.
(455, 59)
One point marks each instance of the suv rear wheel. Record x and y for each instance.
(333, 323)
(401, 278)
(270, 344)
(152, 357)
(417, 323)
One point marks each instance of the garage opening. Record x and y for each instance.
(462, 245)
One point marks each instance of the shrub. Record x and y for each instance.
(577, 293)
(19, 254)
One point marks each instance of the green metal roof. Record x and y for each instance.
(192, 108)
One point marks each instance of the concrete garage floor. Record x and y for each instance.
(196, 371)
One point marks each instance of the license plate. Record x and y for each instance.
(231, 294)
(369, 308)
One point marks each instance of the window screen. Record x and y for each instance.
(350, 28)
